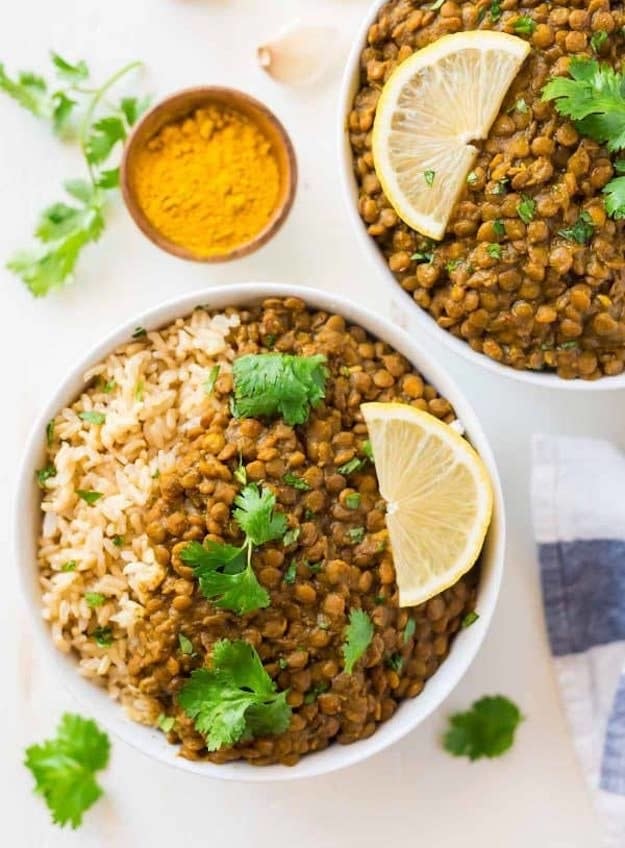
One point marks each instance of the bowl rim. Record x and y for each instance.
(95, 700)
(415, 312)
(279, 215)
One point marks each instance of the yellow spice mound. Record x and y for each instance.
(208, 183)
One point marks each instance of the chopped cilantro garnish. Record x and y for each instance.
(581, 231)
(64, 768)
(352, 500)
(429, 177)
(109, 386)
(351, 466)
(139, 390)
(291, 536)
(526, 209)
(45, 473)
(70, 565)
(271, 384)
(358, 636)
(470, 618)
(165, 722)
(486, 730)
(356, 534)
(499, 228)
(297, 482)
(472, 177)
(118, 541)
(367, 449)
(209, 383)
(291, 573)
(524, 25)
(396, 662)
(318, 689)
(94, 599)
(598, 39)
(409, 629)
(103, 637)
(225, 572)
(50, 432)
(89, 497)
(185, 644)
(495, 10)
(92, 417)
(240, 473)
(494, 251)
(139, 333)
(422, 256)
(234, 698)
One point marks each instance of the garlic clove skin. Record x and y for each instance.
(300, 54)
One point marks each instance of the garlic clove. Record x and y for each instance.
(300, 54)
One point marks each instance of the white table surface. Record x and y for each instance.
(414, 793)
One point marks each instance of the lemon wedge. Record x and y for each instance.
(438, 494)
(432, 107)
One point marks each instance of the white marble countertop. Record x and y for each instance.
(414, 793)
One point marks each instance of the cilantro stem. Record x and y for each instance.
(88, 119)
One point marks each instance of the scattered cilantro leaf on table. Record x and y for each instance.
(64, 768)
(486, 730)
(65, 229)
(278, 384)
(235, 698)
(225, 571)
(358, 636)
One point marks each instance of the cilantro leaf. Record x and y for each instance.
(92, 417)
(45, 473)
(598, 39)
(594, 98)
(69, 72)
(108, 179)
(494, 251)
(297, 482)
(186, 645)
(64, 768)
(29, 90)
(581, 231)
(94, 599)
(469, 619)
(225, 576)
(526, 209)
(210, 381)
(486, 730)
(615, 198)
(524, 25)
(409, 630)
(358, 636)
(133, 107)
(89, 497)
(63, 106)
(278, 384)
(235, 698)
(255, 515)
(104, 135)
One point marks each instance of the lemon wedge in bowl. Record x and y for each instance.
(432, 107)
(438, 494)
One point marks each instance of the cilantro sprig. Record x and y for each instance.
(64, 768)
(224, 571)
(278, 384)
(486, 730)
(358, 636)
(66, 227)
(234, 699)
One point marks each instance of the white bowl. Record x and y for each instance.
(422, 319)
(95, 701)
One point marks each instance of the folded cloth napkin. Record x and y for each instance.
(578, 505)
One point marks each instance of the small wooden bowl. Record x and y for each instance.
(176, 107)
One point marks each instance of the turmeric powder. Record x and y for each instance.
(208, 183)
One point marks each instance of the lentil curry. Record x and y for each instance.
(514, 277)
(152, 626)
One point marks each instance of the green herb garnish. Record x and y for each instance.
(165, 722)
(429, 177)
(351, 466)
(451, 266)
(581, 231)
(65, 228)
(421, 257)
(94, 599)
(70, 565)
(409, 630)
(494, 251)
(64, 768)
(499, 228)
(521, 106)
(278, 384)
(109, 386)
(495, 10)
(318, 689)
(358, 636)
(234, 698)
(469, 619)
(396, 662)
(240, 473)
(472, 178)
(103, 637)
(139, 390)
(352, 501)
(500, 186)
(185, 644)
(92, 417)
(88, 496)
(209, 383)
(291, 536)
(118, 541)
(524, 25)
(297, 482)
(50, 432)
(486, 730)
(526, 209)
(291, 573)
(367, 449)
(139, 333)
(356, 534)
(225, 572)
(614, 193)
(598, 39)
(44, 474)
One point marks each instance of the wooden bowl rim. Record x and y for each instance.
(233, 96)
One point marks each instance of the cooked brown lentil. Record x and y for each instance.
(300, 635)
(548, 303)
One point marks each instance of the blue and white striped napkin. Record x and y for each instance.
(578, 505)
